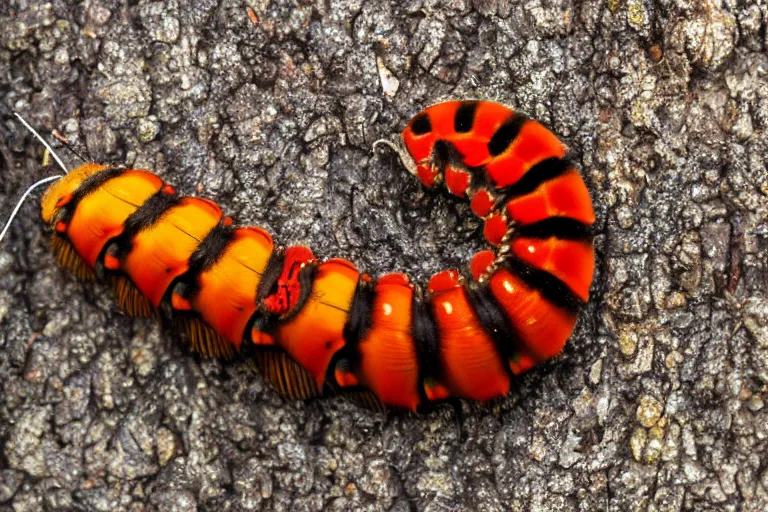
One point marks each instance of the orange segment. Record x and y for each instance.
(160, 253)
(388, 362)
(60, 192)
(101, 215)
(316, 333)
(226, 298)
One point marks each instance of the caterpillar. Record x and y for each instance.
(319, 326)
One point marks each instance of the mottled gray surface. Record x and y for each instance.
(659, 402)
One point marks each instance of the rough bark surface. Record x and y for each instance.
(270, 108)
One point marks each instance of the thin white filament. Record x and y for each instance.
(402, 154)
(38, 183)
(24, 197)
(49, 148)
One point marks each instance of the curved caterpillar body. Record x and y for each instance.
(315, 326)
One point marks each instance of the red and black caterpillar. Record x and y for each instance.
(319, 326)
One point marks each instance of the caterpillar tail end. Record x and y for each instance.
(405, 157)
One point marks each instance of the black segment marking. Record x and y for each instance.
(444, 154)
(359, 320)
(87, 187)
(426, 338)
(145, 216)
(540, 173)
(306, 279)
(260, 322)
(550, 287)
(210, 250)
(506, 133)
(465, 117)
(494, 320)
(268, 282)
(421, 124)
(558, 227)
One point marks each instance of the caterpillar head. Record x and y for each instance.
(60, 193)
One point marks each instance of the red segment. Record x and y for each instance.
(542, 327)
(441, 117)
(457, 181)
(180, 303)
(345, 379)
(520, 364)
(435, 391)
(288, 291)
(394, 279)
(470, 362)
(571, 261)
(427, 174)
(495, 228)
(474, 151)
(564, 196)
(533, 144)
(445, 280)
(420, 145)
(482, 203)
(480, 263)
(473, 145)
(488, 118)
(65, 199)
(111, 262)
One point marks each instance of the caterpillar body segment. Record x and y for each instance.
(313, 326)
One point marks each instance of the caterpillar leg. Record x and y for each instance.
(286, 375)
(132, 302)
(67, 257)
(203, 339)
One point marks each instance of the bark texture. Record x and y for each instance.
(270, 108)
